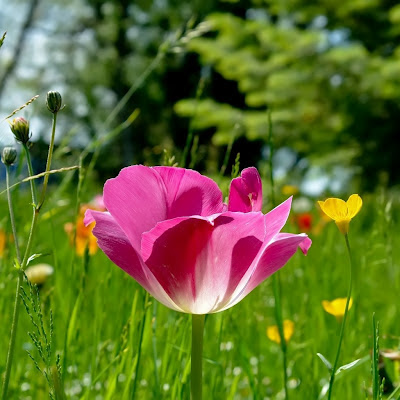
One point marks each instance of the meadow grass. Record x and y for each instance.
(99, 313)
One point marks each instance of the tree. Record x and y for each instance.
(329, 75)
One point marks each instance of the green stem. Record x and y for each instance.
(271, 153)
(30, 169)
(15, 318)
(333, 372)
(279, 322)
(139, 353)
(13, 335)
(11, 210)
(35, 217)
(48, 163)
(154, 344)
(189, 139)
(197, 356)
(276, 284)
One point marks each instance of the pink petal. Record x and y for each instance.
(271, 259)
(140, 196)
(198, 261)
(245, 193)
(113, 241)
(276, 219)
(136, 200)
(189, 193)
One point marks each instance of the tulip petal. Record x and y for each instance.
(354, 204)
(189, 193)
(199, 262)
(115, 244)
(136, 200)
(245, 193)
(271, 259)
(276, 219)
(140, 196)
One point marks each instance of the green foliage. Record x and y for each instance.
(330, 85)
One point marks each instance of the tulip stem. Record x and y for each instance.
(333, 372)
(139, 352)
(197, 356)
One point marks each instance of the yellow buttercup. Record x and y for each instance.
(342, 212)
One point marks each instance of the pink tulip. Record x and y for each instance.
(170, 230)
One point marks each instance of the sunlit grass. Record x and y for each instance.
(98, 311)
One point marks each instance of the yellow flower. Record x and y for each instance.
(290, 190)
(288, 329)
(342, 212)
(38, 274)
(336, 307)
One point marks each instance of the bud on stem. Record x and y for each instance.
(8, 156)
(54, 101)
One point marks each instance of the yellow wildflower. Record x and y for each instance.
(289, 190)
(336, 307)
(342, 212)
(288, 329)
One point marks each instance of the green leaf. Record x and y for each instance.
(34, 257)
(353, 364)
(325, 361)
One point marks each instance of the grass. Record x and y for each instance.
(99, 313)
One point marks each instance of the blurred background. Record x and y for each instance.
(205, 77)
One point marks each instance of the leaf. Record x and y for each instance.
(33, 257)
(325, 361)
(17, 265)
(351, 365)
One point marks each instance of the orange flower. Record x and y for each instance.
(2, 242)
(84, 236)
(304, 221)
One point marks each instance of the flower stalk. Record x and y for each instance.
(197, 356)
(22, 265)
(333, 372)
(17, 301)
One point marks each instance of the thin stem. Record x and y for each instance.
(48, 163)
(30, 169)
(139, 353)
(35, 217)
(333, 372)
(154, 345)
(276, 283)
(13, 334)
(15, 318)
(271, 153)
(11, 210)
(189, 139)
(197, 356)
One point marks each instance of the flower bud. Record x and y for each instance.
(8, 155)
(54, 101)
(20, 128)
